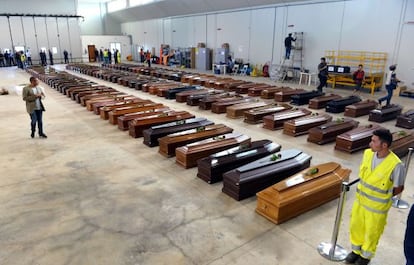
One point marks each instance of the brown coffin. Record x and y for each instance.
(327, 132)
(256, 115)
(322, 101)
(169, 143)
(237, 111)
(221, 106)
(123, 121)
(99, 95)
(406, 120)
(275, 121)
(81, 97)
(257, 90)
(385, 113)
(188, 155)
(361, 108)
(269, 93)
(136, 126)
(103, 108)
(301, 192)
(114, 114)
(231, 86)
(356, 139)
(182, 96)
(285, 95)
(244, 89)
(91, 103)
(206, 102)
(302, 125)
(401, 141)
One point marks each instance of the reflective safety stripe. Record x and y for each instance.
(367, 254)
(373, 198)
(356, 248)
(375, 188)
(374, 210)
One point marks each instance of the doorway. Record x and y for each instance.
(91, 53)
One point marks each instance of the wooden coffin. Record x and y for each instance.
(338, 105)
(302, 125)
(123, 121)
(221, 106)
(99, 95)
(360, 108)
(237, 111)
(257, 90)
(275, 121)
(385, 113)
(304, 98)
(81, 97)
(401, 141)
(194, 100)
(256, 115)
(406, 120)
(169, 143)
(114, 114)
(212, 168)
(269, 93)
(92, 102)
(136, 126)
(322, 101)
(327, 132)
(247, 180)
(162, 91)
(152, 134)
(171, 93)
(188, 155)
(286, 95)
(301, 192)
(356, 139)
(231, 86)
(207, 102)
(104, 108)
(182, 96)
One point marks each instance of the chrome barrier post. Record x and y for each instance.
(331, 250)
(396, 200)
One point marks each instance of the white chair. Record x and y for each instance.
(235, 69)
(243, 71)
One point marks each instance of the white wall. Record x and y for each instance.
(104, 41)
(257, 35)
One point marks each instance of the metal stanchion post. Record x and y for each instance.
(396, 200)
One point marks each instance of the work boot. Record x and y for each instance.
(362, 261)
(33, 127)
(32, 134)
(351, 258)
(42, 135)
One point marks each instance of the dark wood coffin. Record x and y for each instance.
(322, 101)
(207, 102)
(162, 91)
(360, 108)
(327, 132)
(104, 108)
(136, 126)
(286, 95)
(114, 114)
(275, 121)
(385, 113)
(237, 111)
(171, 93)
(301, 192)
(256, 115)
(231, 86)
(182, 96)
(304, 98)
(212, 168)
(269, 93)
(188, 155)
(194, 100)
(406, 120)
(123, 121)
(81, 97)
(169, 143)
(401, 141)
(257, 90)
(247, 180)
(302, 125)
(244, 88)
(356, 139)
(221, 106)
(100, 95)
(151, 135)
(92, 102)
(338, 105)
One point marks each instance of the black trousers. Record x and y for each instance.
(322, 82)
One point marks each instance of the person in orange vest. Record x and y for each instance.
(148, 58)
(142, 55)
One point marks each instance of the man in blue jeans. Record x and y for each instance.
(409, 238)
(390, 84)
(33, 95)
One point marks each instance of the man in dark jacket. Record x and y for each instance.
(288, 45)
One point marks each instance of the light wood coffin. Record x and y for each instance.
(207, 102)
(104, 108)
(152, 134)
(269, 93)
(136, 126)
(322, 101)
(286, 95)
(90, 104)
(275, 121)
(256, 115)
(338, 105)
(327, 132)
(385, 113)
(406, 120)
(301, 192)
(257, 90)
(356, 139)
(302, 125)
(188, 155)
(237, 111)
(304, 98)
(247, 180)
(212, 168)
(114, 114)
(401, 141)
(221, 106)
(169, 143)
(360, 108)
(123, 121)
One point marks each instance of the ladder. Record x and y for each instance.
(288, 67)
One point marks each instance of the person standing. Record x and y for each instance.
(29, 57)
(409, 238)
(288, 45)
(33, 95)
(381, 177)
(101, 55)
(148, 58)
(23, 60)
(2, 59)
(390, 84)
(50, 57)
(358, 77)
(105, 56)
(118, 56)
(142, 55)
(322, 74)
(109, 56)
(66, 56)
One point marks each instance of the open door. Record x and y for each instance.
(91, 52)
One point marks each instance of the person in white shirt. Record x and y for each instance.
(29, 57)
(390, 84)
(33, 95)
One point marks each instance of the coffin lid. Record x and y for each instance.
(165, 125)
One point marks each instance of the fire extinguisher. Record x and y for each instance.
(266, 70)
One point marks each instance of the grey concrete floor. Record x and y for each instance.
(91, 194)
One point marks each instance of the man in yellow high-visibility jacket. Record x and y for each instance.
(381, 177)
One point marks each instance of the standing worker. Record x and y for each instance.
(29, 57)
(323, 74)
(106, 56)
(288, 45)
(33, 95)
(118, 56)
(381, 177)
(390, 84)
(358, 77)
(148, 58)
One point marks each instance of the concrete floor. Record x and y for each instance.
(91, 194)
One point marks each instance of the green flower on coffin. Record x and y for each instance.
(220, 137)
(315, 114)
(200, 129)
(180, 122)
(312, 171)
(163, 115)
(275, 157)
(402, 133)
(339, 120)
